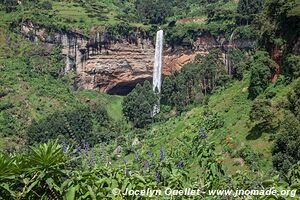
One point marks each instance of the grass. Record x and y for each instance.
(112, 103)
(234, 106)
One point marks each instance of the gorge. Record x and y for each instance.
(115, 66)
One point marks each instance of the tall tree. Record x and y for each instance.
(138, 105)
(153, 11)
(262, 69)
(247, 10)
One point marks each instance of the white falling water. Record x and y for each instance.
(227, 56)
(157, 68)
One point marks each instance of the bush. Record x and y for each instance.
(194, 81)
(263, 114)
(291, 66)
(75, 124)
(212, 120)
(262, 68)
(286, 150)
(250, 157)
(100, 115)
(154, 12)
(138, 105)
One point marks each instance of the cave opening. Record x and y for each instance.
(125, 88)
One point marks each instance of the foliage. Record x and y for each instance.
(250, 157)
(239, 63)
(274, 23)
(154, 12)
(293, 98)
(291, 66)
(8, 5)
(194, 81)
(35, 175)
(263, 114)
(211, 120)
(220, 21)
(262, 69)
(247, 10)
(100, 114)
(138, 105)
(76, 125)
(286, 147)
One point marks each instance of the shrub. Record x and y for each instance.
(138, 105)
(262, 69)
(100, 115)
(291, 66)
(286, 150)
(75, 124)
(250, 157)
(247, 10)
(263, 114)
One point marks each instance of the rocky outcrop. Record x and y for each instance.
(73, 45)
(120, 63)
(116, 66)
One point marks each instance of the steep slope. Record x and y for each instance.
(236, 140)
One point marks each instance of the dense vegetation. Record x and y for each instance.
(219, 127)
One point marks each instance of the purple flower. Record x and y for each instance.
(64, 146)
(147, 165)
(157, 176)
(161, 154)
(179, 165)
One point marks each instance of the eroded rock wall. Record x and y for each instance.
(105, 64)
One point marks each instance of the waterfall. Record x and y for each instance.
(157, 68)
(227, 58)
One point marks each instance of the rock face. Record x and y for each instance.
(116, 66)
(121, 63)
(74, 45)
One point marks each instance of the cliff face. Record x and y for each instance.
(116, 66)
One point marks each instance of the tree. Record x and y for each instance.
(76, 124)
(291, 66)
(167, 90)
(247, 10)
(238, 63)
(294, 100)
(262, 69)
(286, 151)
(275, 24)
(153, 11)
(130, 106)
(202, 76)
(138, 105)
(262, 113)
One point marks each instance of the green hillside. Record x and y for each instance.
(220, 126)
